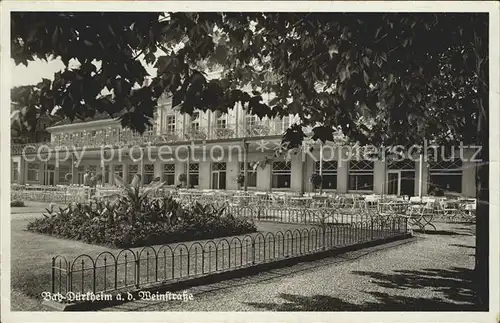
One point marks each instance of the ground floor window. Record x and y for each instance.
(219, 176)
(50, 175)
(106, 174)
(33, 172)
(149, 173)
(93, 169)
(445, 176)
(361, 175)
(406, 164)
(118, 171)
(251, 174)
(132, 171)
(282, 175)
(15, 171)
(63, 177)
(169, 174)
(80, 174)
(329, 171)
(194, 174)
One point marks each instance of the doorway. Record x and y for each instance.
(49, 175)
(400, 182)
(393, 182)
(219, 176)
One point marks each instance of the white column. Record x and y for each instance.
(141, 166)
(421, 176)
(245, 165)
(187, 166)
(321, 167)
(342, 176)
(126, 180)
(236, 108)
(73, 170)
(297, 178)
(23, 167)
(379, 177)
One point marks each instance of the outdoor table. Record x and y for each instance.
(470, 207)
(319, 200)
(300, 201)
(389, 209)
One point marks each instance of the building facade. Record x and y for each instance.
(211, 149)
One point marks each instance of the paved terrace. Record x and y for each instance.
(427, 273)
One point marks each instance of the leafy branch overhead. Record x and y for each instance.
(379, 78)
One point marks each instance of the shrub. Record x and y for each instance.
(17, 203)
(155, 221)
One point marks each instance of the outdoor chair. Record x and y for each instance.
(421, 215)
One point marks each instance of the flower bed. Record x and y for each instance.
(156, 221)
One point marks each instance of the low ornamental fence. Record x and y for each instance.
(130, 270)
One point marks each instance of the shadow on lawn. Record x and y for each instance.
(453, 285)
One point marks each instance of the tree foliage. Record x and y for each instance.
(27, 122)
(335, 70)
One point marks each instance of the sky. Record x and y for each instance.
(39, 69)
(34, 72)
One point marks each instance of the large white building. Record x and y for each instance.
(222, 143)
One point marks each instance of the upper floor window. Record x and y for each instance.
(170, 124)
(220, 120)
(195, 120)
(221, 124)
(251, 121)
(282, 124)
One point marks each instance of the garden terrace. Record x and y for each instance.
(131, 269)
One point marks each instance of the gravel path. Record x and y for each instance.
(429, 272)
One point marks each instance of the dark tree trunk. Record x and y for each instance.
(482, 174)
(482, 221)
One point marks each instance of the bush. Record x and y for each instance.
(155, 221)
(17, 203)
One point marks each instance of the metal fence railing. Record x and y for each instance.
(50, 193)
(146, 267)
(302, 215)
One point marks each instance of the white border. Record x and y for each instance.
(305, 6)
